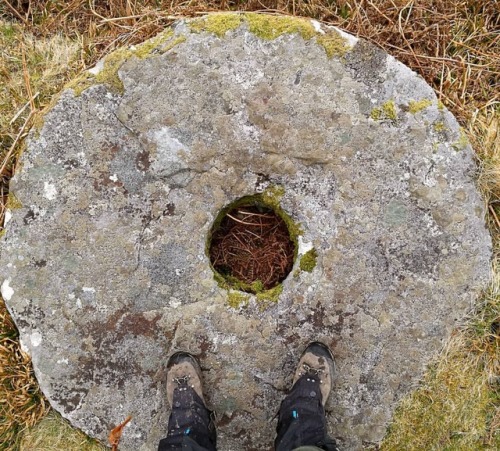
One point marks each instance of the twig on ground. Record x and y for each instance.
(495, 216)
(29, 102)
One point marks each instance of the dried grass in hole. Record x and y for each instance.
(252, 243)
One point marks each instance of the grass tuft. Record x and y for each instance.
(55, 433)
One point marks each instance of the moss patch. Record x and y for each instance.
(308, 260)
(236, 299)
(333, 43)
(271, 295)
(218, 24)
(386, 112)
(113, 62)
(418, 105)
(270, 27)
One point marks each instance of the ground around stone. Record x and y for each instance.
(105, 268)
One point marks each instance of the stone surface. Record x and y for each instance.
(104, 265)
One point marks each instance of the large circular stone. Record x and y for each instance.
(105, 267)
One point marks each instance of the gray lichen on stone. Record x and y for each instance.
(104, 263)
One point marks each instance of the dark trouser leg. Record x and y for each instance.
(302, 420)
(191, 427)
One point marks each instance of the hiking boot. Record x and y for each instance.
(317, 364)
(302, 418)
(183, 371)
(191, 423)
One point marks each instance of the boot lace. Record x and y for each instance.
(182, 382)
(311, 370)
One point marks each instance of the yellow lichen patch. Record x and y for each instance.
(218, 24)
(236, 299)
(462, 141)
(333, 43)
(272, 195)
(439, 126)
(386, 112)
(270, 27)
(414, 106)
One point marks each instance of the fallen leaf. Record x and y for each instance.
(116, 433)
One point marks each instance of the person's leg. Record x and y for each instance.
(190, 426)
(302, 421)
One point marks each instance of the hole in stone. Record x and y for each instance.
(251, 246)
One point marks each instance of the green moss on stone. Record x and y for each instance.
(81, 83)
(114, 61)
(333, 43)
(271, 295)
(13, 202)
(112, 64)
(308, 260)
(218, 24)
(145, 49)
(386, 112)
(272, 196)
(270, 27)
(236, 299)
(440, 105)
(173, 43)
(415, 106)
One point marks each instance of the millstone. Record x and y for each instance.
(105, 266)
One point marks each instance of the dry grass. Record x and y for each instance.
(252, 244)
(453, 44)
(53, 433)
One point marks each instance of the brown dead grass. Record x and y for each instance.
(252, 244)
(453, 44)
